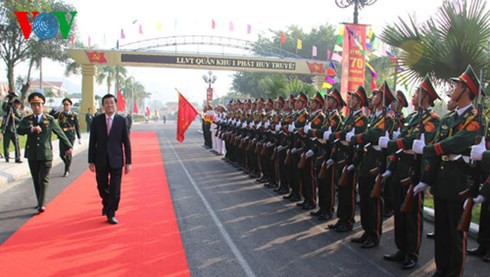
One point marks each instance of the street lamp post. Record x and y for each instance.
(209, 79)
(358, 4)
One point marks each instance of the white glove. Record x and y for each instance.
(294, 150)
(307, 128)
(386, 174)
(244, 124)
(268, 144)
(350, 134)
(476, 153)
(252, 123)
(290, 128)
(310, 154)
(421, 186)
(329, 163)
(383, 141)
(350, 167)
(396, 133)
(79, 141)
(259, 125)
(278, 127)
(479, 199)
(280, 147)
(418, 145)
(267, 124)
(237, 123)
(327, 133)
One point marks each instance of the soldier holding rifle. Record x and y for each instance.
(327, 179)
(443, 169)
(372, 208)
(405, 166)
(347, 157)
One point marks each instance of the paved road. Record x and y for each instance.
(231, 226)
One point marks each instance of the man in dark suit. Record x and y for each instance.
(109, 150)
(39, 151)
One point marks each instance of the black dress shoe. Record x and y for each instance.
(112, 220)
(66, 174)
(289, 196)
(342, 228)
(277, 189)
(395, 257)
(317, 213)
(325, 216)
(431, 235)
(368, 244)
(41, 209)
(334, 226)
(295, 198)
(479, 251)
(308, 206)
(409, 263)
(283, 191)
(486, 258)
(18, 161)
(301, 204)
(360, 239)
(6, 160)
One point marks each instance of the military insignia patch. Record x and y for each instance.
(473, 126)
(429, 127)
(360, 123)
(302, 119)
(332, 122)
(317, 122)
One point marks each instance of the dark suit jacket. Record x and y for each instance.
(103, 148)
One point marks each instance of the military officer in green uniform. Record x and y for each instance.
(312, 151)
(443, 163)
(372, 208)
(70, 125)
(39, 150)
(326, 184)
(346, 157)
(404, 165)
(481, 152)
(11, 120)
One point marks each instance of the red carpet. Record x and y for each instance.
(72, 239)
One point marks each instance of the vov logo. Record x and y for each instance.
(45, 25)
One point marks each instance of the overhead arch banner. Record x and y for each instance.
(353, 59)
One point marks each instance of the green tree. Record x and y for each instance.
(444, 45)
(108, 74)
(14, 48)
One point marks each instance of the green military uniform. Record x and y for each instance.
(39, 149)
(9, 130)
(346, 156)
(308, 173)
(326, 185)
(444, 172)
(70, 125)
(372, 208)
(284, 172)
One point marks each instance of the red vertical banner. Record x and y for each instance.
(209, 95)
(353, 60)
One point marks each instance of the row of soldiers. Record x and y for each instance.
(308, 151)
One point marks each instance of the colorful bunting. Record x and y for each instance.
(283, 38)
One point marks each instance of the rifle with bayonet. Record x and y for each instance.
(472, 191)
(414, 178)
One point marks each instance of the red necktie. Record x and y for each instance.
(108, 123)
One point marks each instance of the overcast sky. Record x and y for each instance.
(103, 20)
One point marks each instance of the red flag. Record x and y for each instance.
(283, 38)
(140, 30)
(135, 107)
(122, 34)
(316, 68)
(72, 41)
(373, 84)
(96, 57)
(121, 102)
(213, 24)
(186, 115)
